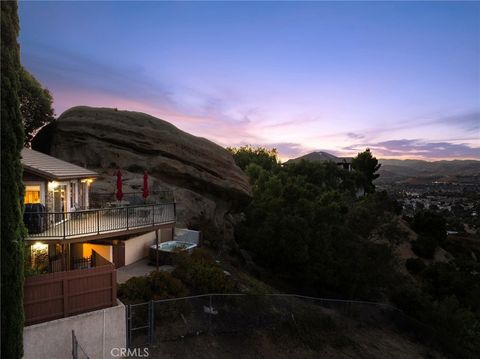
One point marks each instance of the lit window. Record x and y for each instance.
(32, 194)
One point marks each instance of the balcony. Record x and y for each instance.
(98, 223)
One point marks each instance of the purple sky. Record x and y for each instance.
(402, 78)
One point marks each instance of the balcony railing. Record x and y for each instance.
(102, 200)
(65, 225)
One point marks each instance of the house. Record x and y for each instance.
(58, 185)
(74, 249)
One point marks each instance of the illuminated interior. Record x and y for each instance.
(32, 194)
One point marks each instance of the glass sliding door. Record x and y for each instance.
(59, 201)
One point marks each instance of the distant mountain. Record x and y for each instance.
(417, 171)
(412, 171)
(320, 157)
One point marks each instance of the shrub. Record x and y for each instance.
(415, 265)
(430, 224)
(135, 290)
(424, 246)
(200, 273)
(157, 285)
(165, 286)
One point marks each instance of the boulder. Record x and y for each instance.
(203, 176)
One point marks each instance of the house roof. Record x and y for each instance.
(52, 168)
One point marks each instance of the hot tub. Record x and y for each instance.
(167, 249)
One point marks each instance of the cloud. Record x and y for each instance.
(415, 148)
(469, 121)
(355, 136)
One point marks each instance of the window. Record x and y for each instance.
(32, 194)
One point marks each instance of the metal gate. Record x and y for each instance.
(140, 324)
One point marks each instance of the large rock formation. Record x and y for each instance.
(206, 182)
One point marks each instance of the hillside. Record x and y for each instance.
(408, 171)
(412, 171)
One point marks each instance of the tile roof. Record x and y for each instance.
(51, 167)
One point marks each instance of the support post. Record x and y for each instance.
(156, 247)
(153, 215)
(98, 221)
(63, 215)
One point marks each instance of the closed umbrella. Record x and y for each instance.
(145, 185)
(119, 193)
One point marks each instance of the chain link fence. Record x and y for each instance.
(171, 319)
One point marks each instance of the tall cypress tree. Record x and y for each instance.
(12, 229)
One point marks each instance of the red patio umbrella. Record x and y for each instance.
(145, 185)
(119, 186)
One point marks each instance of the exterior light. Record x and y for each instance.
(38, 246)
(52, 185)
(88, 180)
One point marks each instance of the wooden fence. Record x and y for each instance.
(62, 294)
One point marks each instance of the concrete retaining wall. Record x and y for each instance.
(97, 332)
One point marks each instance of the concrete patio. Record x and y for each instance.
(139, 269)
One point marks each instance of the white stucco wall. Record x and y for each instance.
(136, 248)
(97, 332)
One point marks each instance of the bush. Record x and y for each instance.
(157, 285)
(430, 224)
(415, 265)
(165, 286)
(202, 274)
(135, 290)
(424, 246)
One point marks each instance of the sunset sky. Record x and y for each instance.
(402, 78)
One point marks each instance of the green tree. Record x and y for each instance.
(366, 166)
(245, 155)
(12, 229)
(35, 105)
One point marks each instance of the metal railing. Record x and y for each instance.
(59, 263)
(63, 225)
(101, 200)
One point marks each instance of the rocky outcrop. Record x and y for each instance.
(205, 180)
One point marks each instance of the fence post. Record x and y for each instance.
(153, 215)
(126, 208)
(127, 319)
